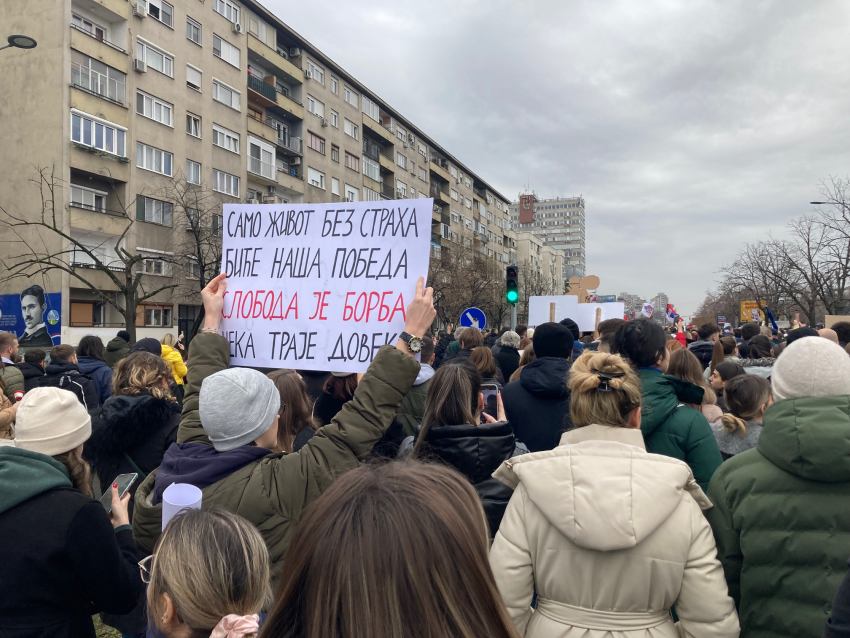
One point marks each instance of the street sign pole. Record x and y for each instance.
(513, 316)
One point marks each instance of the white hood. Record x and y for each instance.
(600, 488)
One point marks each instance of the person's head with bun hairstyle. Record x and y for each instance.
(605, 391)
(748, 396)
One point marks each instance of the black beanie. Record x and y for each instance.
(799, 333)
(573, 326)
(553, 340)
(148, 344)
(123, 334)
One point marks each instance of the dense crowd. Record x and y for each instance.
(639, 481)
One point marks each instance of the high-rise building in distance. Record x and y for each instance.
(559, 222)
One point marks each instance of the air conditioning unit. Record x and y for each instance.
(236, 27)
(140, 65)
(294, 52)
(295, 161)
(324, 122)
(140, 9)
(307, 74)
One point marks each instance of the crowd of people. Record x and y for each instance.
(637, 481)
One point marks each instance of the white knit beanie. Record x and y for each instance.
(811, 367)
(51, 421)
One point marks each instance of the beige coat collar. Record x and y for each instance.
(629, 436)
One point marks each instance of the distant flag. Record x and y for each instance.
(672, 315)
(771, 319)
(647, 309)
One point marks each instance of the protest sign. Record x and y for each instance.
(320, 286)
(750, 311)
(540, 308)
(831, 320)
(585, 315)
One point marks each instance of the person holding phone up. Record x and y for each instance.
(63, 557)
(458, 431)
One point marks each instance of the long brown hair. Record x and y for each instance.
(483, 359)
(340, 388)
(723, 347)
(452, 399)
(142, 373)
(746, 395)
(398, 549)
(295, 407)
(78, 469)
(684, 365)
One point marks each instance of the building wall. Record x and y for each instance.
(560, 222)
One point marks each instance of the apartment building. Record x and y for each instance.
(123, 99)
(559, 222)
(541, 267)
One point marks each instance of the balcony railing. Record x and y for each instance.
(95, 37)
(95, 209)
(261, 168)
(263, 88)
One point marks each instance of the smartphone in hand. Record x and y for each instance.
(490, 392)
(125, 482)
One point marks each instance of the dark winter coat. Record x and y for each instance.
(326, 408)
(672, 428)
(131, 434)
(441, 347)
(68, 377)
(314, 381)
(781, 518)
(13, 381)
(702, 350)
(60, 560)
(507, 358)
(476, 451)
(100, 373)
(32, 375)
(538, 404)
(116, 350)
(838, 625)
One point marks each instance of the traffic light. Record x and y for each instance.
(512, 284)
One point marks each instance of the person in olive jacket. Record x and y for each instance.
(838, 625)
(781, 512)
(669, 425)
(236, 409)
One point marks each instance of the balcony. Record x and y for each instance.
(99, 49)
(262, 171)
(440, 195)
(386, 163)
(379, 130)
(438, 167)
(275, 59)
(273, 97)
(265, 89)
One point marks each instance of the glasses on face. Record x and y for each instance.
(145, 567)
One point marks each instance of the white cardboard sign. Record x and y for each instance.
(320, 286)
(584, 314)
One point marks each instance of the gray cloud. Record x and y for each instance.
(690, 127)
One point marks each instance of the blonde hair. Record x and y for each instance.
(211, 563)
(142, 373)
(604, 390)
(168, 339)
(746, 395)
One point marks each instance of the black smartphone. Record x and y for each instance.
(490, 392)
(125, 482)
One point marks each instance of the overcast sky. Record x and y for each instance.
(690, 127)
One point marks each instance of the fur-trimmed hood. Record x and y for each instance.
(125, 422)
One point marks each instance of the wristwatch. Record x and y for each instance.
(414, 343)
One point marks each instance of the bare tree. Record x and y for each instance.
(43, 243)
(462, 279)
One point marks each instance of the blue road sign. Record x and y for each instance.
(473, 318)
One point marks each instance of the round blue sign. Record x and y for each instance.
(473, 318)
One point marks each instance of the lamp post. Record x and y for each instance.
(19, 42)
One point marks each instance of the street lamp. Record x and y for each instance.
(19, 42)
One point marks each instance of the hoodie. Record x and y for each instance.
(25, 474)
(32, 375)
(610, 538)
(68, 377)
(100, 373)
(537, 405)
(116, 350)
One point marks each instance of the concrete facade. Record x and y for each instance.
(221, 84)
(560, 222)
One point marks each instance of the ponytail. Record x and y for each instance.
(78, 470)
(746, 396)
(732, 424)
(717, 356)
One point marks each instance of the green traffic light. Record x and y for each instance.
(512, 296)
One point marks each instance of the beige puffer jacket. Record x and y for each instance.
(610, 537)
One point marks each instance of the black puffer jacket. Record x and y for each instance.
(131, 433)
(68, 377)
(32, 375)
(702, 350)
(476, 451)
(538, 405)
(507, 358)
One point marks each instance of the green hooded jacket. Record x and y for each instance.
(673, 428)
(25, 474)
(273, 491)
(781, 518)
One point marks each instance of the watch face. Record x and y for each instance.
(415, 344)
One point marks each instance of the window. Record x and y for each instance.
(335, 153)
(154, 211)
(401, 188)
(225, 94)
(467, 202)
(228, 9)
(225, 183)
(193, 268)
(157, 316)
(162, 11)
(315, 178)
(423, 151)
(334, 120)
(371, 109)
(453, 170)
(94, 29)
(95, 77)
(315, 72)
(156, 266)
(193, 30)
(315, 142)
(401, 160)
(454, 195)
(226, 51)
(370, 195)
(334, 85)
(99, 134)
(155, 109)
(352, 162)
(352, 194)
(261, 158)
(194, 77)
(193, 124)
(88, 198)
(155, 58)
(350, 128)
(372, 169)
(350, 96)
(225, 138)
(154, 159)
(193, 172)
(315, 106)
(422, 173)
(334, 186)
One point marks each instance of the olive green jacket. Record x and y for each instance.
(13, 380)
(273, 492)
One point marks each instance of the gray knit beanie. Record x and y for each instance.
(237, 405)
(811, 367)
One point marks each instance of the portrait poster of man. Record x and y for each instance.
(33, 316)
